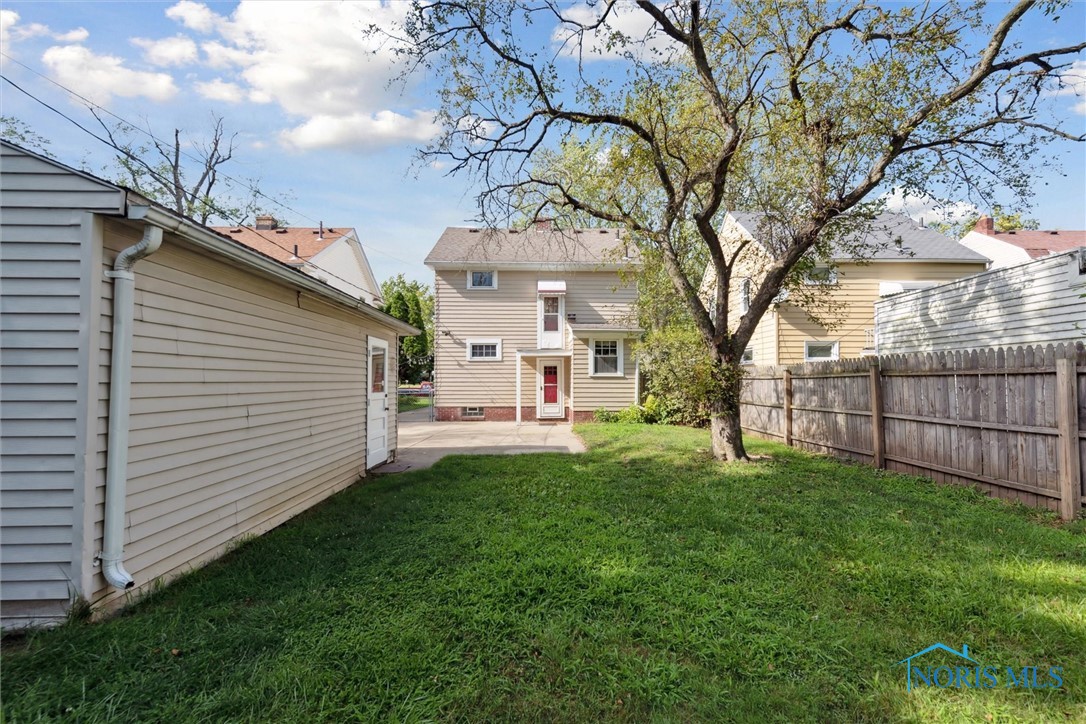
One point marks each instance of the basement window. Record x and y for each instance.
(471, 412)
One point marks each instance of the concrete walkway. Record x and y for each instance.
(422, 443)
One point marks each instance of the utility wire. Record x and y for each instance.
(91, 104)
(219, 212)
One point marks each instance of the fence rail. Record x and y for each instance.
(1010, 421)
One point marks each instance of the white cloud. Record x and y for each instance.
(8, 20)
(929, 209)
(221, 90)
(72, 36)
(1073, 82)
(11, 31)
(100, 77)
(178, 50)
(193, 15)
(361, 130)
(315, 62)
(627, 31)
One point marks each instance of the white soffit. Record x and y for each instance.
(551, 287)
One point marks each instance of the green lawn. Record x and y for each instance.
(638, 581)
(409, 402)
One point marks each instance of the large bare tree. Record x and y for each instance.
(804, 110)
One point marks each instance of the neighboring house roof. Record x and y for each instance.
(139, 207)
(279, 243)
(1036, 243)
(541, 243)
(308, 248)
(893, 237)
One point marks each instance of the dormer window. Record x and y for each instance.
(482, 279)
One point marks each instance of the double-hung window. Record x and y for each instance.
(605, 358)
(744, 296)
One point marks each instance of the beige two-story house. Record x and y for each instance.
(903, 255)
(533, 324)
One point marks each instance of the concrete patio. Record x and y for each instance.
(422, 443)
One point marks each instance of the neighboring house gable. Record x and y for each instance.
(1007, 248)
(534, 323)
(904, 255)
(250, 388)
(333, 255)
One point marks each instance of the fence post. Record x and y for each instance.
(788, 407)
(1067, 420)
(878, 433)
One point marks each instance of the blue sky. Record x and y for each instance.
(317, 117)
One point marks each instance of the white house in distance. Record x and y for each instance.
(1007, 248)
(164, 390)
(332, 254)
(533, 324)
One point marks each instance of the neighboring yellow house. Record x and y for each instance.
(908, 256)
(533, 324)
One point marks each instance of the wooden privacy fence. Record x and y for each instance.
(1012, 422)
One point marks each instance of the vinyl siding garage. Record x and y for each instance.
(249, 399)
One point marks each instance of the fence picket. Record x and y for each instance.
(999, 419)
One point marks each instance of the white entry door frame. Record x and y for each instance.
(550, 378)
(377, 408)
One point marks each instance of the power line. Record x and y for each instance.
(146, 132)
(218, 211)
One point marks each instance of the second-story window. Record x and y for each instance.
(550, 314)
(551, 331)
(482, 279)
(820, 275)
(744, 297)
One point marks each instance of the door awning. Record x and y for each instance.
(551, 287)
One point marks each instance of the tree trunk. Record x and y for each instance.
(724, 426)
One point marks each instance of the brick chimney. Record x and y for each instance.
(542, 224)
(266, 223)
(985, 225)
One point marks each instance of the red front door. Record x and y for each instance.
(551, 390)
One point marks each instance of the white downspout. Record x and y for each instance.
(120, 375)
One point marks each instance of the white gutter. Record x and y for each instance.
(120, 377)
(204, 238)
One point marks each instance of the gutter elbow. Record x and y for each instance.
(115, 574)
(149, 244)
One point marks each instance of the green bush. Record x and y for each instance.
(651, 413)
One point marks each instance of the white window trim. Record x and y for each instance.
(836, 351)
(561, 320)
(492, 271)
(750, 361)
(592, 357)
(486, 340)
